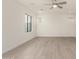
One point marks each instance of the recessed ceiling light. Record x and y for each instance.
(40, 11)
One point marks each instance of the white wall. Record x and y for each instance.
(56, 25)
(13, 25)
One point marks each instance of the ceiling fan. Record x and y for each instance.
(57, 4)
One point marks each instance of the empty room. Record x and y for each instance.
(39, 29)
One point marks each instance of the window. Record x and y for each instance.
(28, 23)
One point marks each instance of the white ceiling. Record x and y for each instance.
(36, 5)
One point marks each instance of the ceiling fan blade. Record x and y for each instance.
(60, 6)
(62, 2)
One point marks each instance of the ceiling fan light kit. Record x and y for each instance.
(56, 4)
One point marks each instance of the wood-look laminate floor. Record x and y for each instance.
(45, 48)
